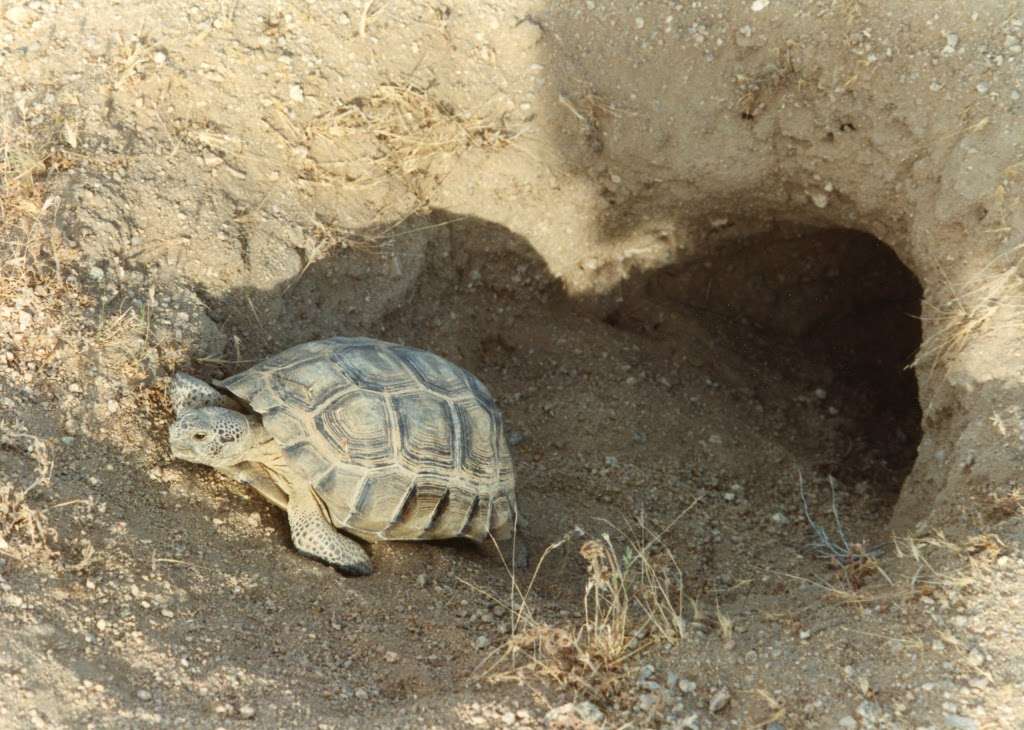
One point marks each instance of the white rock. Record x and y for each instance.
(19, 15)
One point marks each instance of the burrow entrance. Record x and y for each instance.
(830, 314)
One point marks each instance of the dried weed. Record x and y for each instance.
(630, 603)
(24, 530)
(405, 132)
(987, 302)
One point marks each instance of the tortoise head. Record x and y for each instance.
(213, 436)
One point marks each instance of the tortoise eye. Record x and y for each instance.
(199, 437)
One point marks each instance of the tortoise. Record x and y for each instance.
(382, 441)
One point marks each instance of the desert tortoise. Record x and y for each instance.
(382, 441)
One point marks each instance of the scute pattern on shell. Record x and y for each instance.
(399, 443)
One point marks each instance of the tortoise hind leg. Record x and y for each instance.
(315, 536)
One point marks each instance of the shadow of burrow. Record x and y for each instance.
(438, 281)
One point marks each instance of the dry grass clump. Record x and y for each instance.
(24, 530)
(854, 561)
(31, 249)
(406, 132)
(631, 602)
(988, 302)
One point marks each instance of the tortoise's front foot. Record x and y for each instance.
(315, 536)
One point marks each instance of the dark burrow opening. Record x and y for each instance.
(831, 315)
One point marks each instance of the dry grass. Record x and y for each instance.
(403, 132)
(31, 248)
(631, 602)
(24, 530)
(920, 567)
(987, 302)
(854, 562)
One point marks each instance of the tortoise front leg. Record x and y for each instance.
(315, 536)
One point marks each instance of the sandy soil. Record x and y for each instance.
(702, 254)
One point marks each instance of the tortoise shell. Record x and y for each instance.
(398, 443)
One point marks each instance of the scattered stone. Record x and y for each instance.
(247, 712)
(362, 694)
(296, 94)
(589, 712)
(690, 722)
(19, 15)
(847, 723)
(719, 700)
(952, 39)
(758, 5)
(959, 722)
(975, 658)
(687, 687)
(144, 694)
(159, 58)
(869, 711)
(481, 642)
(646, 702)
(571, 715)
(390, 657)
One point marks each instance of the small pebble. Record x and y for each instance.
(959, 722)
(247, 712)
(19, 15)
(758, 5)
(481, 642)
(719, 700)
(686, 686)
(144, 694)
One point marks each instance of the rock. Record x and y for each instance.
(589, 712)
(869, 711)
(481, 642)
(686, 686)
(959, 722)
(19, 15)
(847, 723)
(247, 712)
(144, 694)
(719, 700)
(690, 722)
(646, 702)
